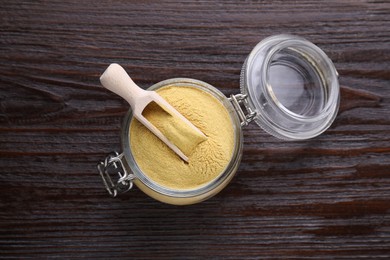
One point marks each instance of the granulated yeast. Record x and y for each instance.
(173, 128)
(208, 158)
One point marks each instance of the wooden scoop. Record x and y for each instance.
(118, 81)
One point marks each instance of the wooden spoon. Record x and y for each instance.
(118, 81)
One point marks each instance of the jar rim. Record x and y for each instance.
(288, 43)
(271, 111)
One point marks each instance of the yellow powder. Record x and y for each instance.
(209, 158)
(173, 128)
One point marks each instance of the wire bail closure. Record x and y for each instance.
(113, 164)
(238, 99)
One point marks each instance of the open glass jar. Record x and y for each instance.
(289, 87)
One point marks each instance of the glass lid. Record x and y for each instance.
(292, 86)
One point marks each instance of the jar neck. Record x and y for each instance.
(292, 86)
(286, 64)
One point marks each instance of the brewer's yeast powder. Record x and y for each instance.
(177, 131)
(208, 158)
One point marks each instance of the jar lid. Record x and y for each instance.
(292, 86)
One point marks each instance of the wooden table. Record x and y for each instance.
(328, 197)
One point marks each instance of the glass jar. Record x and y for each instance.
(292, 86)
(289, 87)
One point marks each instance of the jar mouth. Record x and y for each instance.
(293, 87)
(206, 188)
(302, 70)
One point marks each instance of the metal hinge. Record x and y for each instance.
(238, 99)
(113, 164)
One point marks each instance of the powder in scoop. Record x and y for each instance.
(173, 128)
(208, 159)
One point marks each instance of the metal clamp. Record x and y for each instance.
(110, 166)
(238, 99)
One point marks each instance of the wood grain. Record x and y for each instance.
(324, 198)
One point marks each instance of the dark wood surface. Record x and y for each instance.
(324, 198)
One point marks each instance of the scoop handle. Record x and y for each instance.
(116, 79)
